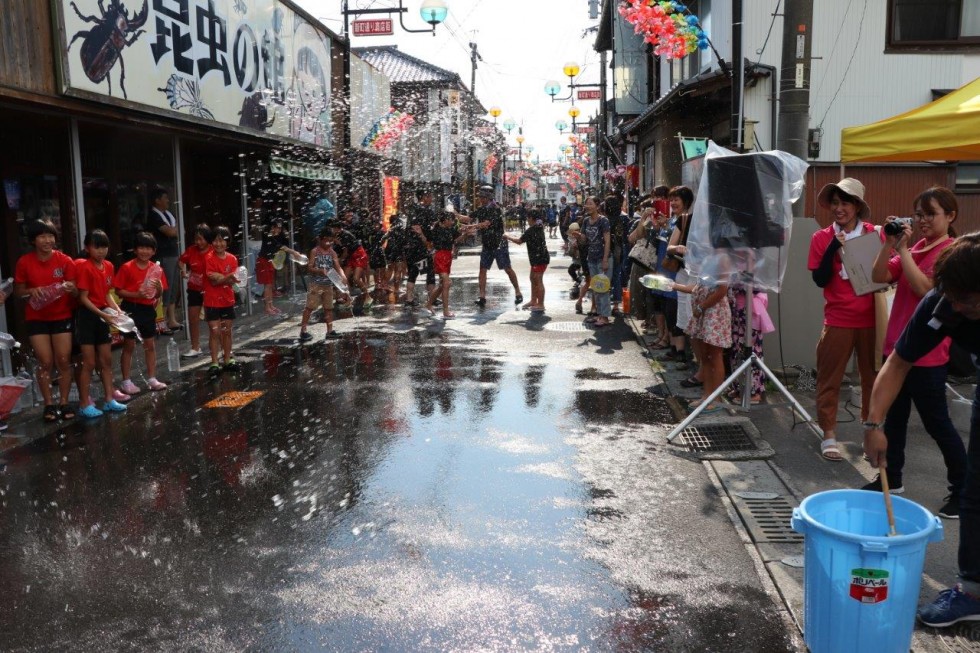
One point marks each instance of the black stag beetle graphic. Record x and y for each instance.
(103, 44)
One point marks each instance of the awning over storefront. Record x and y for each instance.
(947, 129)
(304, 170)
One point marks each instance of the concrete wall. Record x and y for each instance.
(797, 311)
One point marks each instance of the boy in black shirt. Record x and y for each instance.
(537, 254)
(445, 233)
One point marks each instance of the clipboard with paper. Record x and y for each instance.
(858, 258)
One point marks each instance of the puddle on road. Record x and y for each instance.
(622, 407)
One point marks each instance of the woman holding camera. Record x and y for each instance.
(849, 319)
(935, 211)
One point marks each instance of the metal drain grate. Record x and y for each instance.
(962, 638)
(718, 437)
(771, 520)
(566, 326)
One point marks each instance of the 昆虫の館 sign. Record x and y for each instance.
(254, 64)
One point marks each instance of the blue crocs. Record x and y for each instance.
(950, 607)
(113, 406)
(90, 411)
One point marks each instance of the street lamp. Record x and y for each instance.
(495, 112)
(574, 112)
(433, 12)
(520, 160)
(509, 124)
(571, 70)
(561, 126)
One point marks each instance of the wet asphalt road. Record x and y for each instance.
(496, 482)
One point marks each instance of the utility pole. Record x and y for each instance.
(794, 82)
(471, 154)
(738, 78)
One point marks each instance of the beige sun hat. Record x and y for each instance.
(574, 227)
(848, 186)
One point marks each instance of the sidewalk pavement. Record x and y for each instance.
(796, 469)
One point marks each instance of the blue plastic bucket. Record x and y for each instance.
(860, 586)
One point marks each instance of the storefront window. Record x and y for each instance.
(120, 168)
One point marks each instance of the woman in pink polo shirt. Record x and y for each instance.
(849, 320)
(935, 211)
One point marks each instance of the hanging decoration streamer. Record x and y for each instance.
(668, 26)
(489, 164)
(388, 129)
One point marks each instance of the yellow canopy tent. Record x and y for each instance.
(947, 129)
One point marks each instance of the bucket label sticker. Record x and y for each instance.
(869, 585)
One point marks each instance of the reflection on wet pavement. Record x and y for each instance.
(403, 491)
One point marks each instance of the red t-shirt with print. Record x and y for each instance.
(842, 308)
(95, 280)
(221, 296)
(130, 278)
(35, 273)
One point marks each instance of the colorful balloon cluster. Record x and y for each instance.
(388, 129)
(668, 26)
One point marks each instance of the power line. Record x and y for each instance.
(833, 48)
(843, 77)
(761, 50)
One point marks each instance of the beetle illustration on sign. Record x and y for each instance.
(102, 45)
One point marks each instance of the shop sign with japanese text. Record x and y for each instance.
(590, 94)
(376, 27)
(252, 64)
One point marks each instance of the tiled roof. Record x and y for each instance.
(401, 68)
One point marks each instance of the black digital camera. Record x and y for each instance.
(897, 226)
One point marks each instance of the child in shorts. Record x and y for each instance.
(538, 257)
(191, 264)
(219, 299)
(323, 259)
(140, 300)
(445, 234)
(93, 277)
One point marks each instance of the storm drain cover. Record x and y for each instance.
(768, 520)
(718, 437)
(566, 326)
(962, 638)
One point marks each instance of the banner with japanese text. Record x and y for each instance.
(253, 64)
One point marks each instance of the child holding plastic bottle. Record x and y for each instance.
(323, 264)
(140, 284)
(538, 256)
(191, 264)
(47, 277)
(220, 267)
(94, 279)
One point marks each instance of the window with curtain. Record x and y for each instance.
(933, 24)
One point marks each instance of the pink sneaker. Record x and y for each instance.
(129, 387)
(120, 396)
(153, 384)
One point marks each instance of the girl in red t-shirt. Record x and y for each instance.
(46, 277)
(140, 300)
(191, 264)
(219, 298)
(92, 325)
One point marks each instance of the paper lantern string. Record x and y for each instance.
(668, 26)
(388, 129)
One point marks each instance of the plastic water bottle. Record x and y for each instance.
(300, 259)
(279, 259)
(6, 287)
(153, 274)
(657, 282)
(47, 295)
(173, 356)
(7, 341)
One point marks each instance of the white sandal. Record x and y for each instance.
(828, 447)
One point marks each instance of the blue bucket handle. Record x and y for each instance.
(937, 533)
(797, 523)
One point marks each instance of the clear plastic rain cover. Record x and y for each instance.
(742, 217)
